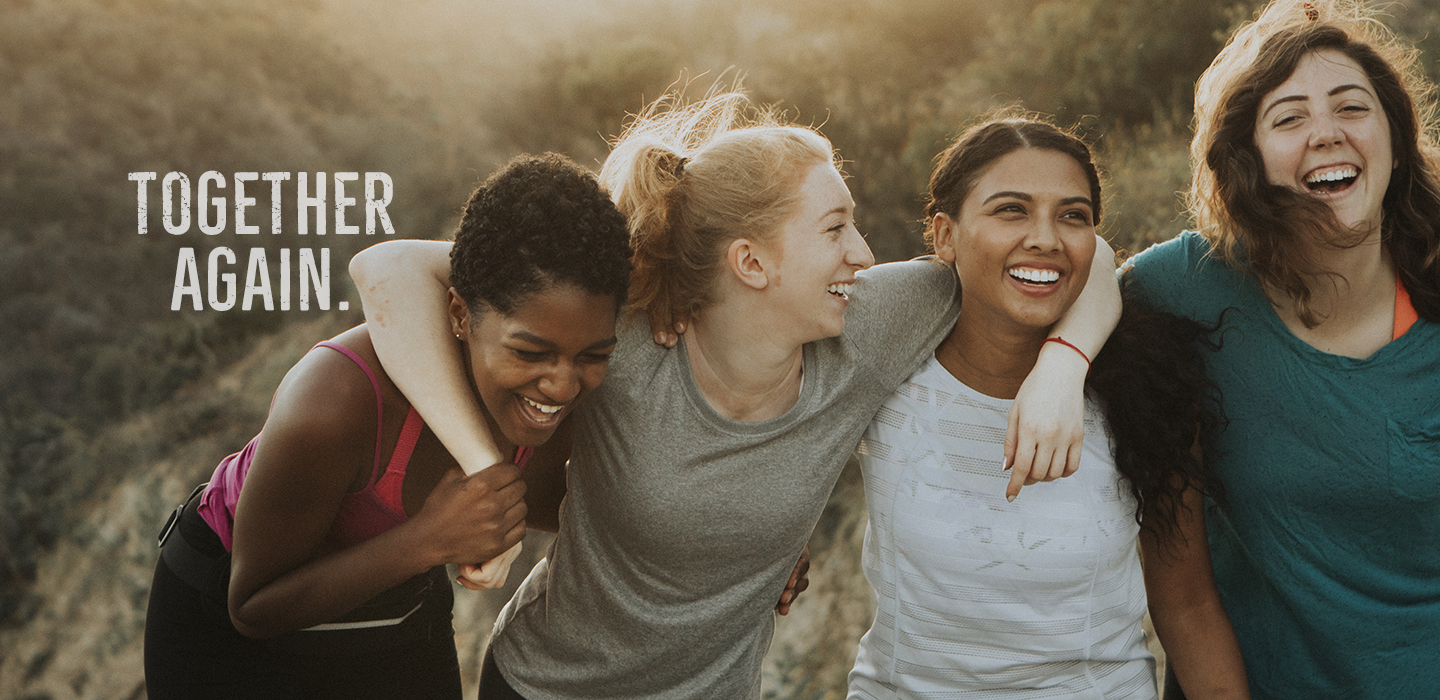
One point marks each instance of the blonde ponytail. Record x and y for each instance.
(691, 178)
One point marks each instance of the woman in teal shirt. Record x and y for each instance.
(1317, 198)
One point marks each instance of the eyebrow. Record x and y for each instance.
(1301, 98)
(544, 343)
(1014, 195)
(1027, 198)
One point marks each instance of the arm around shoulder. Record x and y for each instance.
(544, 477)
(1047, 426)
(404, 287)
(1090, 320)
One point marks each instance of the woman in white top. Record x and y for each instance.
(698, 471)
(1042, 596)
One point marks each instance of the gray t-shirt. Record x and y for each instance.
(680, 527)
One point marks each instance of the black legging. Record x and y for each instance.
(192, 650)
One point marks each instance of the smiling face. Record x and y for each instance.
(1323, 132)
(531, 367)
(819, 250)
(1022, 241)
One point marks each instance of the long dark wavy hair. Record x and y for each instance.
(1259, 227)
(1157, 397)
(1150, 376)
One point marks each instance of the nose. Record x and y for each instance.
(857, 251)
(1043, 236)
(1325, 131)
(561, 382)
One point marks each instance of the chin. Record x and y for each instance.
(1040, 320)
(529, 437)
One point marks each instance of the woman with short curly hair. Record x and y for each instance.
(313, 563)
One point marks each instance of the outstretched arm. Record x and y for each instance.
(1047, 419)
(403, 286)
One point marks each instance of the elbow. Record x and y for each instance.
(246, 628)
(1103, 267)
(365, 263)
(250, 623)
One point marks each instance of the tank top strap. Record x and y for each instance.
(522, 455)
(391, 482)
(379, 402)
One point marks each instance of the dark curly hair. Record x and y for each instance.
(538, 222)
(1151, 379)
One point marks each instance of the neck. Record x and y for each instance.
(1355, 302)
(502, 443)
(743, 366)
(1363, 267)
(990, 357)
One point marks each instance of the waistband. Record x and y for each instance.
(417, 609)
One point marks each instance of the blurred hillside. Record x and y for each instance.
(112, 406)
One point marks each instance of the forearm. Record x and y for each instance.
(1200, 646)
(1093, 316)
(1046, 425)
(544, 511)
(403, 287)
(1185, 606)
(326, 588)
(544, 477)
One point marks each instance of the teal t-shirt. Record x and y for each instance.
(1327, 553)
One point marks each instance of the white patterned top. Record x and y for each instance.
(980, 598)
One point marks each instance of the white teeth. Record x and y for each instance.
(542, 407)
(1030, 274)
(1332, 175)
(843, 289)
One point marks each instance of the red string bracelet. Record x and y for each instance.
(1068, 344)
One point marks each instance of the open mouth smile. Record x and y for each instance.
(841, 289)
(1034, 276)
(1331, 179)
(540, 413)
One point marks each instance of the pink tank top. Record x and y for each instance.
(364, 513)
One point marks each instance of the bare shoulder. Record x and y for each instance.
(318, 441)
(327, 396)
